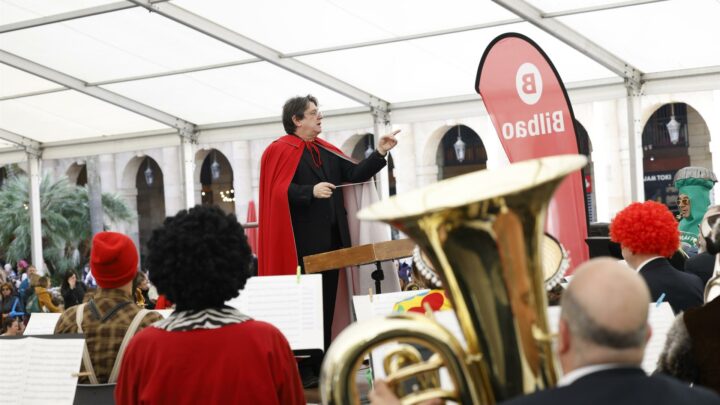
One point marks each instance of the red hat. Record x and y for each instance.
(113, 259)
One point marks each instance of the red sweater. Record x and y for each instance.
(244, 363)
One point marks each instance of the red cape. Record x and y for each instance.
(276, 248)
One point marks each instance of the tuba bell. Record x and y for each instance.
(482, 232)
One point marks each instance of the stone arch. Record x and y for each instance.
(429, 153)
(219, 191)
(351, 143)
(361, 147)
(445, 156)
(662, 157)
(131, 166)
(77, 173)
(147, 199)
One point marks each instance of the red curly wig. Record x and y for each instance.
(646, 228)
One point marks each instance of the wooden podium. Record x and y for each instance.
(359, 255)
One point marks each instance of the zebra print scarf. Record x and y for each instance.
(211, 318)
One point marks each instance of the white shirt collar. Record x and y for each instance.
(646, 262)
(578, 373)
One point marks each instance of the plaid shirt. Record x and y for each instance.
(104, 339)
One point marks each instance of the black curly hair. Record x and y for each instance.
(199, 258)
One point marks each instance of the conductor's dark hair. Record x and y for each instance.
(199, 258)
(295, 107)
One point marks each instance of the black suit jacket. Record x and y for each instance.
(682, 290)
(320, 224)
(701, 265)
(621, 386)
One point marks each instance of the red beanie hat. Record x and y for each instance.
(113, 259)
(646, 228)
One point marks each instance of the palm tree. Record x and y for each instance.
(65, 219)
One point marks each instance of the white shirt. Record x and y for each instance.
(646, 262)
(578, 373)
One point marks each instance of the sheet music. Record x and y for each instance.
(42, 323)
(661, 319)
(164, 312)
(39, 370)
(294, 308)
(381, 305)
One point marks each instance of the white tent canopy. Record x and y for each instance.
(84, 77)
(74, 70)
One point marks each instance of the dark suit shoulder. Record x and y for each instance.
(701, 265)
(621, 387)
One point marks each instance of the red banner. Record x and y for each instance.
(531, 112)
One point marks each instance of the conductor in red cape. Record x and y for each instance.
(301, 211)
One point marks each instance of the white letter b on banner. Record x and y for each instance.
(528, 83)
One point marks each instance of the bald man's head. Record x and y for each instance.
(606, 305)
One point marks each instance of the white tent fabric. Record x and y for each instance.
(390, 52)
(86, 77)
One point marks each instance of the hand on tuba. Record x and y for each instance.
(383, 395)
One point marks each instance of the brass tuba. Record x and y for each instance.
(482, 232)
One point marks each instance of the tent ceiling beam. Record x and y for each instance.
(70, 15)
(622, 68)
(262, 51)
(30, 146)
(105, 95)
(599, 7)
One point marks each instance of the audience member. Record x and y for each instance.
(205, 352)
(73, 291)
(12, 326)
(648, 235)
(25, 289)
(10, 301)
(694, 184)
(692, 348)
(111, 314)
(703, 263)
(44, 297)
(142, 287)
(603, 331)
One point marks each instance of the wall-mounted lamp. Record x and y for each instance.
(149, 178)
(673, 126)
(215, 168)
(459, 146)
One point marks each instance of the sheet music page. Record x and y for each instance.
(164, 312)
(39, 371)
(553, 317)
(42, 323)
(661, 319)
(13, 353)
(294, 308)
(381, 304)
(445, 318)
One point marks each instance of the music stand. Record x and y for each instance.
(359, 255)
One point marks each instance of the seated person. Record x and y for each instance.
(44, 297)
(692, 348)
(603, 331)
(108, 316)
(205, 352)
(648, 235)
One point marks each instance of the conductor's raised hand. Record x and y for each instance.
(387, 142)
(323, 190)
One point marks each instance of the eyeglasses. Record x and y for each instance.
(315, 113)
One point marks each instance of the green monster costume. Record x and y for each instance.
(695, 183)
